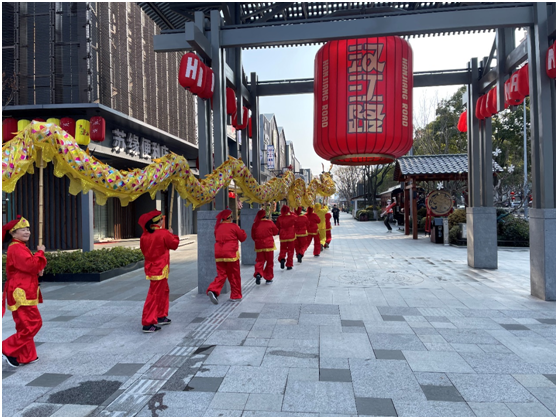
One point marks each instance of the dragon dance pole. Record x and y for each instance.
(41, 196)
(170, 209)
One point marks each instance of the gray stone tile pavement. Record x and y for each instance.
(379, 325)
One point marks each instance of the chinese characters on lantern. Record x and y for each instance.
(135, 146)
(365, 106)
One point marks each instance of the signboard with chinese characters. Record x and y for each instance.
(135, 146)
(271, 157)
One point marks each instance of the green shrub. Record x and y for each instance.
(457, 217)
(421, 223)
(454, 234)
(91, 262)
(370, 214)
(421, 212)
(516, 229)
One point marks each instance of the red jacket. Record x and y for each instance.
(22, 273)
(313, 221)
(262, 234)
(227, 237)
(286, 225)
(300, 226)
(155, 248)
(328, 221)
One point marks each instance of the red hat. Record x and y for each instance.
(223, 215)
(13, 225)
(153, 216)
(285, 210)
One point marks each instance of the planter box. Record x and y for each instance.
(92, 277)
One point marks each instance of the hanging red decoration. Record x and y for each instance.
(232, 195)
(39, 120)
(250, 127)
(462, 123)
(9, 129)
(209, 86)
(244, 123)
(551, 61)
(199, 85)
(68, 125)
(363, 100)
(479, 107)
(231, 101)
(97, 129)
(518, 86)
(523, 81)
(188, 72)
(492, 102)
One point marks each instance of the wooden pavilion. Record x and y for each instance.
(442, 167)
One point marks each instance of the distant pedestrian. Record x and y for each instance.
(388, 212)
(301, 242)
(227, 258)
(262, 233)
(313, 233)
(22, 291)
(328, 230)
(287, 236)
(335, 213)
(155, 243)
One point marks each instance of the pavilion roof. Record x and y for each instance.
(435, 167)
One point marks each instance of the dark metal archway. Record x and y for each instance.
(219, 31)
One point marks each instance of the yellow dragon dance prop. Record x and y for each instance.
(88, 173)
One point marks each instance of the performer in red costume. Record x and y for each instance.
(328, 230)
(287, 236)
(227, 258)
(155, 243)
(23, 293)
(313, 234)
(301, 242)
(262, 233)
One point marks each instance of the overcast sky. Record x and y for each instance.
(295, 112)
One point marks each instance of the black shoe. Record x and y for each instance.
(316, 256)
(213, 297)
(282, 263)
(326, 246)
(289, 268)
(258, 279)
(151, 329)
(268, 281)
(163, 321)
(322, 246)
(11, 360)
(299, 258)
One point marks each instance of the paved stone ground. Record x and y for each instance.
(379, 325)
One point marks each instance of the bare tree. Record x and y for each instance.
(346, 179)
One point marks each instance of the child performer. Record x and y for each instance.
(155, 243)
(263, 231)
(22, 291)
(287, 236)
(227, 258)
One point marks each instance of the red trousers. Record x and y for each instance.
(301, 245)
(328, 236)
(265, 258)
(230, 270)
(287, 249)
(317, 244)
(21, 345)
(157, 302)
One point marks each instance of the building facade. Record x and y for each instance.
(95, 59)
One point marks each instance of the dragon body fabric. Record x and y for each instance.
(86, 173)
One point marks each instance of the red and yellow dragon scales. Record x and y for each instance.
(86, 173)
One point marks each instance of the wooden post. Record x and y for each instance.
(407, 209)
(41, 195)
(171, 204)
(414, 207)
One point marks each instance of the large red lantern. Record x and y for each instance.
(244, 123)
(209, 86)
(479, 107)
(462, 123)
(188, 73)
(97, 129)
(551, 61)
(231, 101)
(199, 85)
(9, 129)
(492, 102)
(68, 125)
(363, 100)
(523, 83)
